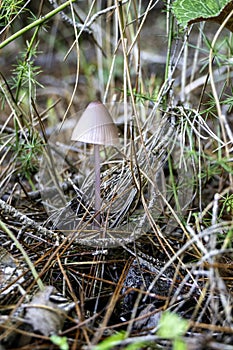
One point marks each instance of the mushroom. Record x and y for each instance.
(96, 127)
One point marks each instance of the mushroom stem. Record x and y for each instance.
(97, 185)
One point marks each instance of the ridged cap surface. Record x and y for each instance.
(96, 126)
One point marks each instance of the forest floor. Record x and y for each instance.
(155, 271)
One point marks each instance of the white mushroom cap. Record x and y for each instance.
(96, 126)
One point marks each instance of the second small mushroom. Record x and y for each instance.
(96, 127)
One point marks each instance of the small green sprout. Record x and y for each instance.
(60, 341)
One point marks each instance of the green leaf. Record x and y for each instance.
(193, 10)
(60, 341)
(171, 326)
(111, 341)
(136, 346)
(116, 339)
(179, 344)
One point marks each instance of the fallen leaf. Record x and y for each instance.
(44, 314)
